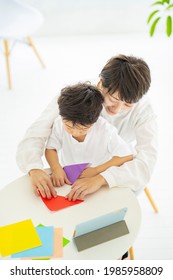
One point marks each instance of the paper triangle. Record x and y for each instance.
(73, 171)
(65, 241)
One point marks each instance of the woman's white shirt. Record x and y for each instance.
(136, 126)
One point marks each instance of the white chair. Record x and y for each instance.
(17, 22)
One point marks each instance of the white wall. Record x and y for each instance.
(86, 17)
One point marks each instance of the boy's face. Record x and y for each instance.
(76, 130)
(112, 103)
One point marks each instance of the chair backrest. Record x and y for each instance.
(18, 20)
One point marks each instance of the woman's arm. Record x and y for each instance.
(133, 174)
(136, 174)
(31, 149)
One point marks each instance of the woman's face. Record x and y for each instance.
(112, 103)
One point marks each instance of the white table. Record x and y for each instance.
(18, 202)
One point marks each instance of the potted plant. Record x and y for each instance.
(162, 10)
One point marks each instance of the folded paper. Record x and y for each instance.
(73, 171)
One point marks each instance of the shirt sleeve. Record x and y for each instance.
(117, 146)
(30, 150)
(55, 138)
(136, 174)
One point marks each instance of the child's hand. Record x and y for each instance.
(89, 172)
(59, 178)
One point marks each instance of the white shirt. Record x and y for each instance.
(137, 125)
(101, 143)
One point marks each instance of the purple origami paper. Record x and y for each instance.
(73, 171)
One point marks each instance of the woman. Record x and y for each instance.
(124, 81)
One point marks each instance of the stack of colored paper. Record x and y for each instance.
(23, 240)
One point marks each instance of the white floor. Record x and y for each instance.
(72, 59)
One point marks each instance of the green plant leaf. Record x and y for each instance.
(153, 26)
(151, 15)
(169, 26)
(166, 1)
(169, 7)
(158, 3)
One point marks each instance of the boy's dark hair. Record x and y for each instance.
(128, 75)
(80, 104)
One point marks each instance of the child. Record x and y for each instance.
(80, 135)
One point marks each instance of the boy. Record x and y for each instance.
(79, 135)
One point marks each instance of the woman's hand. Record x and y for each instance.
(85, 186)
(41, 183)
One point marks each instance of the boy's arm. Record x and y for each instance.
(54, 144)
(59, 178)
(52, 158)
(114, 161)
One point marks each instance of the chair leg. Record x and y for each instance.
(7, 53)
(151, 199)
(131, 252)
(35, 50)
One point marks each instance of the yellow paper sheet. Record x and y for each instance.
(18, 237)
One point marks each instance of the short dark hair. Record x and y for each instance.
(80, 104)
(128, 75)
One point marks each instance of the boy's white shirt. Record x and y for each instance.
(101, 143)
(136, 126)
